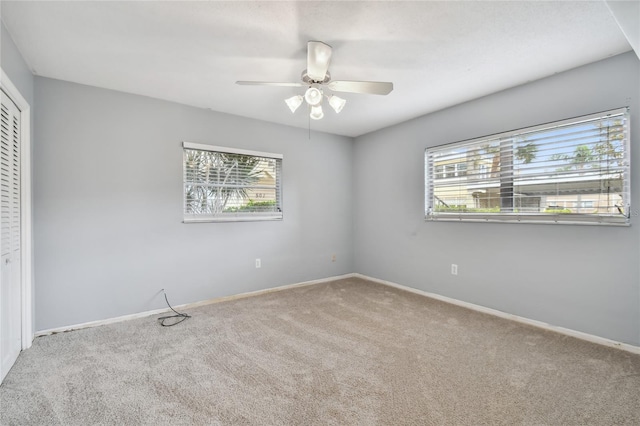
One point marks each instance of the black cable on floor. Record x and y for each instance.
(177, 315)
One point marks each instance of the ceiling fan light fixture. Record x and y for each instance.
(316, 112)
(294, 102)
(337, 103)
(315, 77)
(313, 96)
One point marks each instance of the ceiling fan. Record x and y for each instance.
(316, 78)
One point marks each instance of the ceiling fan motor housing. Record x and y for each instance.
(308, 80)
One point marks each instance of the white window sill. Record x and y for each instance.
(549, 219)
(230, 218)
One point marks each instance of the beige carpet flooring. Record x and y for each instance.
(347, 352)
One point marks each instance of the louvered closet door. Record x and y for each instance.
(10, 297)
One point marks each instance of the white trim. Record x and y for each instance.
(186, 306)
(203, 147)
(539, 324)
(539, 219)
(25, 206)
(231, 218)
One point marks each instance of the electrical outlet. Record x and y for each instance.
(454, 269)
(333, 257)
(258, 263)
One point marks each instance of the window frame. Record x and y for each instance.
(238, 216)
(532, 217)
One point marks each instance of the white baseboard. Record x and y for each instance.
(566, 331)
(184, 306)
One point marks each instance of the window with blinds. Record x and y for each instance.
(572, 171)
(227, 184)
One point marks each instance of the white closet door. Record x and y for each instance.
(10, 289)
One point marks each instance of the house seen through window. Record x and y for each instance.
(572, 171)
(227, 184)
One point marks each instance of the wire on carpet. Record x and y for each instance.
(179, 315)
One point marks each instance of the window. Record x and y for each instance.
(451, 170)
(227, 184)
(572, 171)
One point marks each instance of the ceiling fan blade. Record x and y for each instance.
(368, 87)
(268, 83)
(318, 58)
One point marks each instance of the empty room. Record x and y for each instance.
(316, 212)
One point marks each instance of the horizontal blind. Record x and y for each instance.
(6, 142)
(575, 170)
(229, 184)
(15, 182)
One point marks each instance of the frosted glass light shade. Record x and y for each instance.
(336, 103)
(313, 96)
(316, 112)
(294, 102)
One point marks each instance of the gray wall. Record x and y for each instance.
(584, 278)
(108, 207)
(14, 65)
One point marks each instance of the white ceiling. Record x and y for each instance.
(437, 54)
